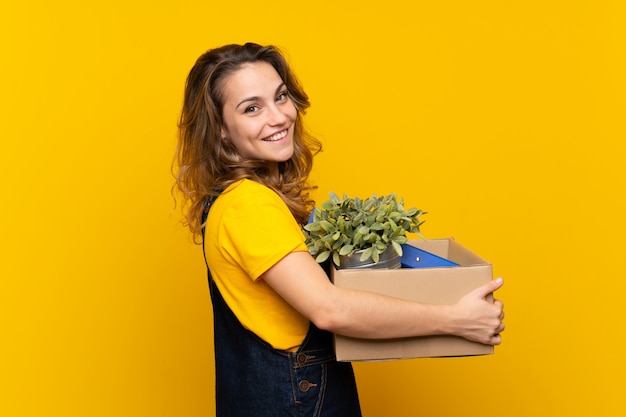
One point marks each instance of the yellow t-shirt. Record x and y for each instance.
(249, 229)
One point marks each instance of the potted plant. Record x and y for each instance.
(361, 233)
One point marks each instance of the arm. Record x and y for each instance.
(369, 315)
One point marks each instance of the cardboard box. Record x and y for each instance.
(428, 285)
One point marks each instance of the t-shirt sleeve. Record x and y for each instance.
(258, 230)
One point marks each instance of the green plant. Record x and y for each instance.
(344, 226)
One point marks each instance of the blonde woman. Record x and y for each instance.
(243, 160)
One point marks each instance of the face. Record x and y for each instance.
(258, 114)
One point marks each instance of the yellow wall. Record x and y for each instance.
(504, 120)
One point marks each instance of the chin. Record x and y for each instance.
(285, 159)
(285, 155)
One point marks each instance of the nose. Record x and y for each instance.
(277, 115)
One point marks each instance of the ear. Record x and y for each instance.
(223, 132)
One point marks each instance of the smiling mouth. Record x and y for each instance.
(277, 136)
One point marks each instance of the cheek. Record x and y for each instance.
(234, 129)
(293, 112)
(240, 135)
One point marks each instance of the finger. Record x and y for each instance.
(488, 288)
(499, 305)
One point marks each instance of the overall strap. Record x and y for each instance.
(205, 214)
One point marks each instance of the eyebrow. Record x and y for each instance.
(256, 98)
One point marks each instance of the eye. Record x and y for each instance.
(251, 109)
(283, 96)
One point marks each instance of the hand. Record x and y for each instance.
(478, 320)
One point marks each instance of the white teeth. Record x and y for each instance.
(277, 136)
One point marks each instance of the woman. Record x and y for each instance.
(244, 158)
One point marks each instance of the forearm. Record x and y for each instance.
(368, 315)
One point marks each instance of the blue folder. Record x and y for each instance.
(413, 257)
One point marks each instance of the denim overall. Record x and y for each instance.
(255, 380)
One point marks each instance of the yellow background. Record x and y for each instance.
(503, 120)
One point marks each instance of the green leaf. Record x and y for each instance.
(328, 205)
(367, 253)
(341, 224)
(322, 257)
(312, 227)
(400, 239)
(395, 216)
(372, 237)
(328, 239)
(364, 230)
(410, 212)
(358, 219)
(377, 226)
(357, 239)
(368, 204)
(336, 259)
(346, 250)
(393, 225)
(327, 226)
(334, 198)
(397, 247)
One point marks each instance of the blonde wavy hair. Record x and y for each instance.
(206, 163)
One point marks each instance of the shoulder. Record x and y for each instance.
(250, 200)
(248, 192)
(256, 189)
